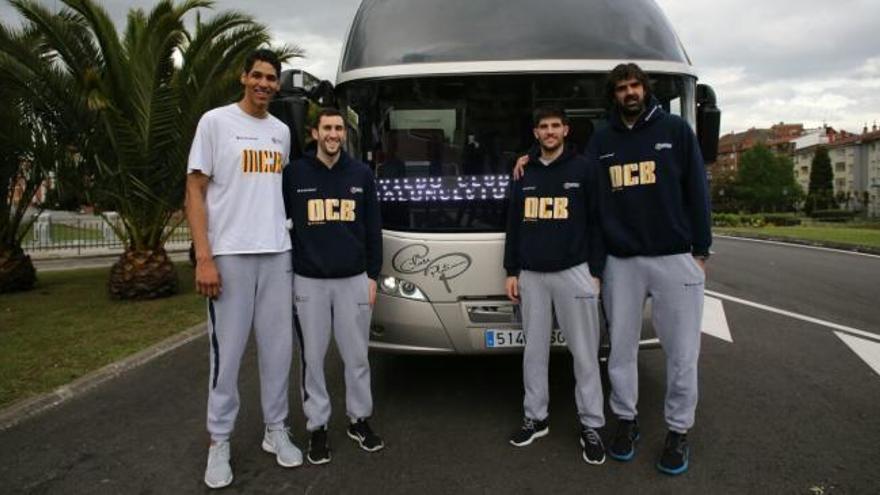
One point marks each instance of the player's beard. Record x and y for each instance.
(631, 108)
(331, 154)
(550, 150)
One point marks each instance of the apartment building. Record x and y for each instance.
(855, 163)
(780, 138)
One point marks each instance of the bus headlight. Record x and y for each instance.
(393, 286)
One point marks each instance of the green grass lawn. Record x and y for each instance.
(864, 236)
(67, 326)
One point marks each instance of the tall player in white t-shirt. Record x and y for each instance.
(236, 215)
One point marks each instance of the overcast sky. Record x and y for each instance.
(808, 61)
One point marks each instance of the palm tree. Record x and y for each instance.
(20, 176)
(148, 88)
(33, 143)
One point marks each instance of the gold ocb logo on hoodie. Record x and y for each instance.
(633, 174)
(330, 210)
(545, 208)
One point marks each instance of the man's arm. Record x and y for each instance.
(595, 238)
(696, 192)
(208, 281)
(287, 190)
(520, 167)
(373, 228)
(511, 242)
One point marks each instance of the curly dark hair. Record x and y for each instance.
(625, 72)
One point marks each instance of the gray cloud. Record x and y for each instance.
(809, 61)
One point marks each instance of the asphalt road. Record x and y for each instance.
(786, 408)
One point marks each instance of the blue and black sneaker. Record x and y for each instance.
(623, 445)
(674, 459)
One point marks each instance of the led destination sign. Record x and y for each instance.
(461, 188)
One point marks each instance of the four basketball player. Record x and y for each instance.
(631, 216)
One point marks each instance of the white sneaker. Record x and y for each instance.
(286, 453)
(218, 473)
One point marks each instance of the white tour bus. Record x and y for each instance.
(438, 97)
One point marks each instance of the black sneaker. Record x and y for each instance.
(529, 431)
(319, 447)
(674, 459)
(594, 449)
(623, 445)
(360, 432)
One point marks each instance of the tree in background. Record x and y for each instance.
(21, 173)
(765, 181)
(723, 191)
(35, 141)
(147, 106)
(821, 190)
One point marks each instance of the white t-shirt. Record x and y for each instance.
(244, 157)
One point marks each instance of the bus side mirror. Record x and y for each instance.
(291, 104)
(292, 110)
(708, 122)
(323, 94)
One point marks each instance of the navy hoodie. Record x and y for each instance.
(653, 193)
(336, 227)
(552, 223)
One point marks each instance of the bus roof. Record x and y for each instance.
(394, 38)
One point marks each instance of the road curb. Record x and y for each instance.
(803, 242)
(27, 408)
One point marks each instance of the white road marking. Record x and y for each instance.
(714, 319)
(791, 244)
(867, 350)
(790, 314)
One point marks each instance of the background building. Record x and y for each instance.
(855, 162)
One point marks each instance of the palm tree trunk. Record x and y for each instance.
(17, 271)
(147, 274)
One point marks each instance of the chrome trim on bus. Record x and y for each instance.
(384, 346)
(508, 67)
(445, 236)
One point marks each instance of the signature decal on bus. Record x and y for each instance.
(415, 258)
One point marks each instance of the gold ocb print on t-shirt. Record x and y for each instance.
(261, 161)
(330, 210)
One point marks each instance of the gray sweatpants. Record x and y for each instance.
(256, 294)
(340, 306)
(574, 296)
(675, 284)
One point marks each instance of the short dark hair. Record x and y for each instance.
(263, 55)
(624, 72)
(549, 112)
(327, 112)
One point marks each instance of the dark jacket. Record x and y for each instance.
(653, 192)
(337, 231)
(552, 223)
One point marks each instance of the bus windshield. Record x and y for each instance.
(442, 148)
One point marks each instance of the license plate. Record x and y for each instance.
(515, 338)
